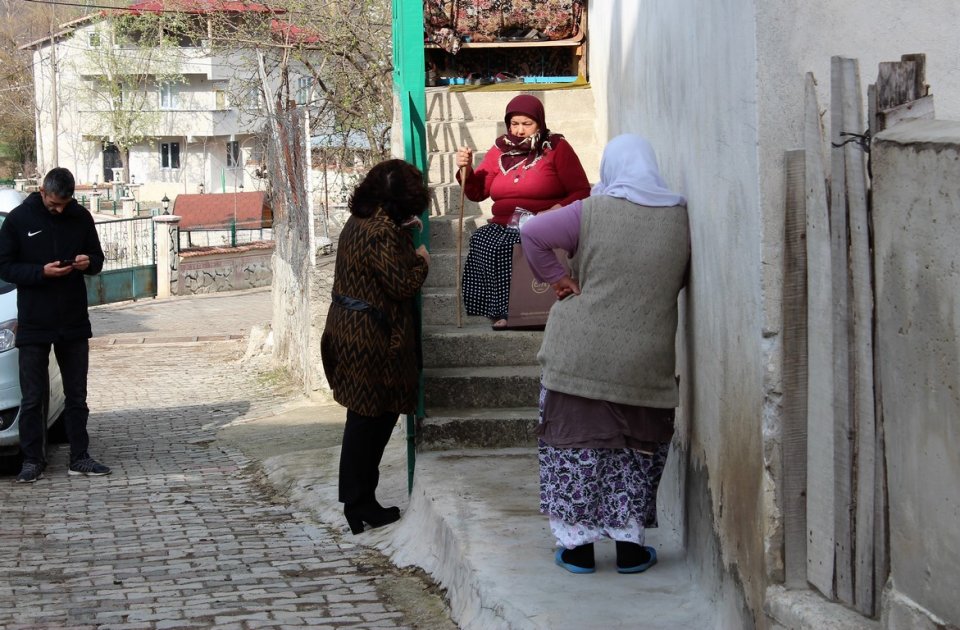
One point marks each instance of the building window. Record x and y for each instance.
(257, 152)
(253, 99)
(93, 39)
(169, 155)
(233, 154)
(168, 96)
(304, 85)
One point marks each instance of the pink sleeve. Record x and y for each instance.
(547, 231)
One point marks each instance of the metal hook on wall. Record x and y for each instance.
(862, 139)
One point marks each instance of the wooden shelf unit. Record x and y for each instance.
(577, 44)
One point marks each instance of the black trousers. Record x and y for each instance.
(364, 440)
(73, 357)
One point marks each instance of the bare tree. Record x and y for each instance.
(130, 56)
(328, 62)
(332, 57)
(20, 24)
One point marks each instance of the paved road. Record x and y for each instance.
(183, 533)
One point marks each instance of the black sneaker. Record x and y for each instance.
(30, 473)
(88, 466)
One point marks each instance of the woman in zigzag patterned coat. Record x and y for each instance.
(369, 344)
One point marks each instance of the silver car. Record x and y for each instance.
(10, 368)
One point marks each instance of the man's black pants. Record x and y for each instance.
(73, 357)
(364, 439)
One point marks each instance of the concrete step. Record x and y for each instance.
(440, 306)
(481, 387)
(443, 268)
(444, 105)
(445, 229)
(442, 165)
(445, 429)
(477, 344)
(445, 200)
(448, 136)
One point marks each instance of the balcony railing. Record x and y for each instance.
(173, 122)
(213, 66)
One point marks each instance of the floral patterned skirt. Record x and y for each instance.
(591, 493)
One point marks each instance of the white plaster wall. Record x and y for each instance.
(917, 228)
(683, 74)
(718, 89)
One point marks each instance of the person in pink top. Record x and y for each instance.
(528, 168)
(608, 387)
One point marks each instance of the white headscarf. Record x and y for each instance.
(629, 171)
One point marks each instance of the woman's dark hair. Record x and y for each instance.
(394, 185)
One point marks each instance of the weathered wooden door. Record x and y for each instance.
(834, 490)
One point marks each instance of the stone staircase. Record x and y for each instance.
(481, 385)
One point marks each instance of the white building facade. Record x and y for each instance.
(184, 118)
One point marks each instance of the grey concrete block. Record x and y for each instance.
(481, 387)
(477, 344)
(446, 429)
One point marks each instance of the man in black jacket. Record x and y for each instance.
(46, 245)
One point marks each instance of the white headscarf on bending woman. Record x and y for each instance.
(628, 170)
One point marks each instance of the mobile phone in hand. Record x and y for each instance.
(68, 262)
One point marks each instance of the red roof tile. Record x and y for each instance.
(215, 211)
(293, 33)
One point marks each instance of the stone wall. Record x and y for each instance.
(215, 269)
(917, 227)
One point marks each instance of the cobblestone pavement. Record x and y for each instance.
(182, 534)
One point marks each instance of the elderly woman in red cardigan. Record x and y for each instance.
(528, 168)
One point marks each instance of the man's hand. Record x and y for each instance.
(54, 270)
(58, 270)
(566, 286)
(81, 262)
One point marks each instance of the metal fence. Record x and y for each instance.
(227, 236)
(127, 242)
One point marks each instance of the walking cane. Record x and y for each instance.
(463, 182)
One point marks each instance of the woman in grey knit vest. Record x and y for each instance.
(609, 389)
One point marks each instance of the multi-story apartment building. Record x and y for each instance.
(178, 113)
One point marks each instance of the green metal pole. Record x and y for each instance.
(409, 79)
